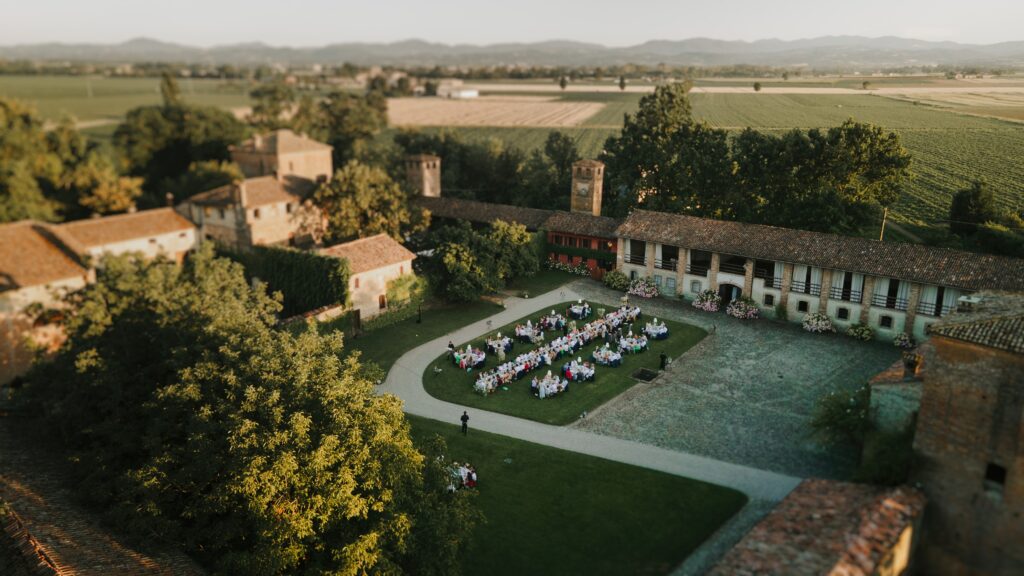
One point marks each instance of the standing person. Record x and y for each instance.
(664, 360)
(465, 422)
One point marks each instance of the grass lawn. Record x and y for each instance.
(385, 345)
(454, 385)
(543, 281)
(550, 511)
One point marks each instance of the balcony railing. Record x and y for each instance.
(670, 264)
(638, 259)
(769, 280)
(885, 301)
(729, 268)
(932, 309)
(803, 287)
(839, 293)
(697, 269)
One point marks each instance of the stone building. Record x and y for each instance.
(969, 443)
(267, 210)
(373, 263)
(284, 153)
(889, 286)
(151, 233)
(587, 187)
(825, 527)
(423, 174)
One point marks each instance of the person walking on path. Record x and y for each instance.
(465, 422)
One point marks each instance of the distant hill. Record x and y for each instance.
(843, 52)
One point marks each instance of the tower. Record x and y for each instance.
(423, 174)
(587, 182)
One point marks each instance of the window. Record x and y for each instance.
(182, 234)
(152, 240)
(843, 313)
(356, 281)
(769, 299)
(220, 213)
(670, 285)
(288, 207)
(256, 213)
(382, 301)
(657, 280)
(802, 306)
(885, 321)
(695, 286)
(995, 477)
(632, 275)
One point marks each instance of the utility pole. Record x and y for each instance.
(885, 213)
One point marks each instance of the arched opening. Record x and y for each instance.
(729, 292)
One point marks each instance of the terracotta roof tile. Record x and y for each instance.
(997, 321)
(29, 256)
(582, 224)
(258, 192)
(825, 527)
(370, 253)
(281, 142)
(484, 212)
(917, 263)
(85, 234)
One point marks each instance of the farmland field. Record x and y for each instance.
(490, 111)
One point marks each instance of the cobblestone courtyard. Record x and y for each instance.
(744, 394)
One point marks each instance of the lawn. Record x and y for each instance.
(543, 281)
(550, 511)
(385, 345)
(454, 385)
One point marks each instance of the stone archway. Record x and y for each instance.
(729, 292)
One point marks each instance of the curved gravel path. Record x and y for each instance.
(405, 381)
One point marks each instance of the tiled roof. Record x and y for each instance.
(29, 257)
(258, 192)
(825, 527)
(370, 253)
(281, 142)
(997, 321)
(80, 235)
(917, 263)
(582, 223)
(484, 212)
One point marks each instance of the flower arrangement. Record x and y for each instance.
(743, 308)
(708, 301)
(577, 269)
(643, 287)
(818, 322)
(903, 341)
(616, 280)
(861, 332)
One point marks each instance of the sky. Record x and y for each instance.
(613, 23)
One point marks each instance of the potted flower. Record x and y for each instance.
(818, 322)
(643, 287)
(743, 308)
(708, 301)
(860, 332)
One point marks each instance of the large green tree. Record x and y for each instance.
(159, 143)
(195, 421)
(202, 176)
(28, 167)
(972, 206)
(349, 122)
(468, 263)
(270, 103)
(363, 200)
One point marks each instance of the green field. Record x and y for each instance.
(454, 385)
(97, 97)
(552, 512)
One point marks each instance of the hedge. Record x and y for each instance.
(307, 280)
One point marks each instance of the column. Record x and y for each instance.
(912, 299)
(826, 287)
(650, 259)
(620, 252)
(865, 306)
(787, 281)
(684, 257)
(713, 272)
(748, 278)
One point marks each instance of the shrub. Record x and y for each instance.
(841, 418)
(577, 269)
(818, 322)
(743, 308)
(903, 341)
(616, 280)
(861, 332)
(708, 301)
(781, 312)
(643, 287)
(306, 280)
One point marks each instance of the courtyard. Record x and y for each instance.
(744, 394)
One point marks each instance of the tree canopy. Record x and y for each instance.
(363, 200)
(468, 263)
(194, 421)
(270, 103)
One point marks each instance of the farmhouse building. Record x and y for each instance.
(969, 444)
(374, 263)
(151, 232)
(825, 527)
(284, 153)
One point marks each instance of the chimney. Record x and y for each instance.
(169, 198)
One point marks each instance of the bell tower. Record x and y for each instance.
(587, 183)
(423, 174)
